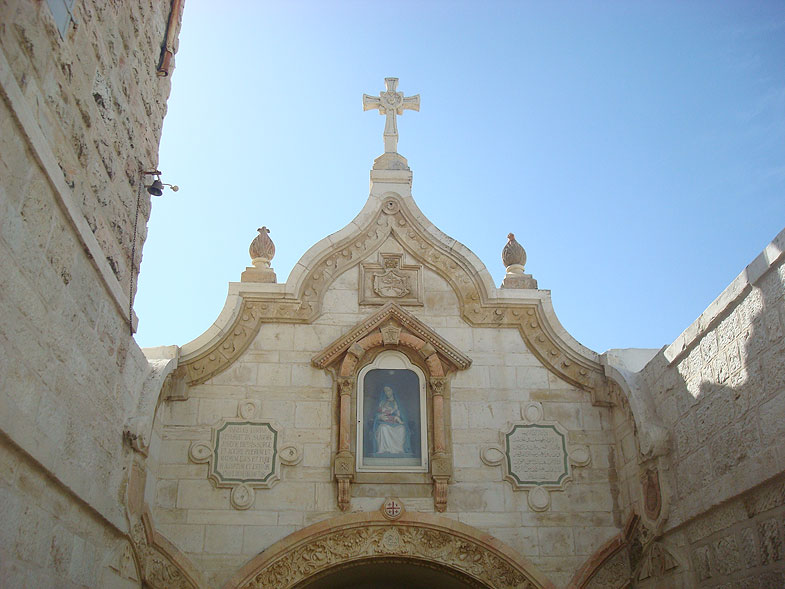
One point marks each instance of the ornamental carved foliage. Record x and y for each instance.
(614, 574)
(636, 554)
(394, 219)
(158, 571)
(454, 552)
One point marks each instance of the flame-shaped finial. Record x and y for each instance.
(262, 248)
(513, 253)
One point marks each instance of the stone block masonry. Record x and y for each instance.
(80, 118)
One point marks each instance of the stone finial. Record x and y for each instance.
(514, 259)
(513, 253)
(262, 251)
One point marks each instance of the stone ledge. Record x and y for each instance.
(738, 288)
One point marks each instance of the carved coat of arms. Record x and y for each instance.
(391, 284)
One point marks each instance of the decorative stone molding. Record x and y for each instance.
(155, 554)
(635, 554)
(652, 494)
(656, 562)
(535, 456)
(435, 540)
(244, 454)
(532, 317)
(394, 319)
(627, 389)
(123, 564)
(137, 431)
(160, 563)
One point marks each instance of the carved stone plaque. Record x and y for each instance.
(244, 454)
(536, 454)
(391, 280)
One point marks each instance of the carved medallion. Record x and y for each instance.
(392, 508)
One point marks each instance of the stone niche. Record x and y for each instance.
(392, 376)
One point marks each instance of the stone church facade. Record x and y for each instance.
(385, 417)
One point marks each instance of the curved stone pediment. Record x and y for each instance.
(391, 212)
(396, 317)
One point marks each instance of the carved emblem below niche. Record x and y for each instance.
(391, 280)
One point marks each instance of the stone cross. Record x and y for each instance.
(391, 103)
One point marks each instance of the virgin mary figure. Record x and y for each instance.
(390, 428)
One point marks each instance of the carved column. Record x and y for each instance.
(345, 386)
(344, 461)
(441, 467)
(437, 402)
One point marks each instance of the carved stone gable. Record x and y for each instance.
(393, 315)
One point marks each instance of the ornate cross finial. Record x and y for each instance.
(391, 103)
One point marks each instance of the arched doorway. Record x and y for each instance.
(390, 573)
(367, 550)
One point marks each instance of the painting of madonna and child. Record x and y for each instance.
(392, 419)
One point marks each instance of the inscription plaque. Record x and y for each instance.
(245, 452)
(536, 455)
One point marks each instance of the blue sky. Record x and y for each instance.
(636, 149)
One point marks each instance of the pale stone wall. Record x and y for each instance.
(49, 539)
(80, 116)
(483, 401)
(720, 391)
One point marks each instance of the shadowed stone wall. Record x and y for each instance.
(80, 118)
(720, 391)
